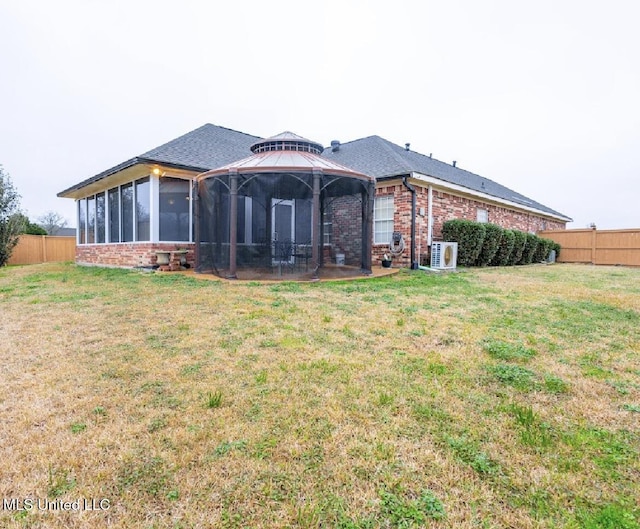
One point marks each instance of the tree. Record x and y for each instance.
(11, 220)
(52, 222)
(28, 227)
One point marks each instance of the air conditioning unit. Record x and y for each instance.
(444, 255)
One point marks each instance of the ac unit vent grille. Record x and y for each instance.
(444, 255)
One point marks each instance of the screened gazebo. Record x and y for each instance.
(283, 212)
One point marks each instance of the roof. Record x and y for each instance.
(380, 158)
(211, 146)
(201, 149)
(286, 152)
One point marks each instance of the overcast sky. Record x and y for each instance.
(543, 97)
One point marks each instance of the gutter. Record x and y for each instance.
(414, 263)
(126, 165)
(449, 187)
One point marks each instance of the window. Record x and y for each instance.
(91, 220)
(174, 209)
(82, 221)
(114, 215)
(126, 201)
(327, 226)
(382, 219)
(100, 217)
(482, 215)
(143, 204)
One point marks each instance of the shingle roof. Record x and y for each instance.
(201, 149)
(205, 148)
(380, 158)
(210, 147)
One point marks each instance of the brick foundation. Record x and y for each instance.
(127, 255)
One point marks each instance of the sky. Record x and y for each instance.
(542, 97)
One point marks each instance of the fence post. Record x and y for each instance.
(44, 249)
(593, 245)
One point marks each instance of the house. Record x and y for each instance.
(147, 204)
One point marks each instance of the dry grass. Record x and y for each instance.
(346, 405)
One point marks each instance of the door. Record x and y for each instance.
(282, 229)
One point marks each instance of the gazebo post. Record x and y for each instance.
(315, 221)
(233, 222)
(321, 242)
(195, 211)
(367, 225)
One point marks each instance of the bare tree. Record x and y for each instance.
(11, 220)
(52, 221)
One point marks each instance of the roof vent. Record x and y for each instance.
(407, 146)
(335, 145)
(430, 155)
(454, 163)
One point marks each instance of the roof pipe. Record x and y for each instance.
(414, 263)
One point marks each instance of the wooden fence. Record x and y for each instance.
(33, 249)
(601, 247)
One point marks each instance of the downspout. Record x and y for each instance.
(414, 263)
(430, 217)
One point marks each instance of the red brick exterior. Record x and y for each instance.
(447, 206)
(128, 254)
(346, 229)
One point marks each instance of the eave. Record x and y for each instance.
(126, 172)
(441, 185)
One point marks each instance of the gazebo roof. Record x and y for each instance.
(286, 153)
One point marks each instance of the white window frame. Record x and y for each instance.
(383, 211)
(482, 215)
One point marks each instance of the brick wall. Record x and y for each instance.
(346, 229)
(447, 206)
(128, 254)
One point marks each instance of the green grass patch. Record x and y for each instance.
(510, 352)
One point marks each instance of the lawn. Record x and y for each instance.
(506, 397)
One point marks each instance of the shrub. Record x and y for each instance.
(543, 249)
(469, 235)
(519, 240)
(501, 258)
(556, 246)
(531, 244)
(492, 238)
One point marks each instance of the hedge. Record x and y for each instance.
(543, 250)
(519, 240)
(482, 244)
(469, 235)
(501, 258)
(531, 244)
(492, 238)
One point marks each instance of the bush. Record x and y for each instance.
(469, 235)
(556, 246)
(543, 249)
(531, 244)
(501, 258)
(492, 238)
(519, 240)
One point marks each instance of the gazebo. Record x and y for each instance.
(283, 211)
